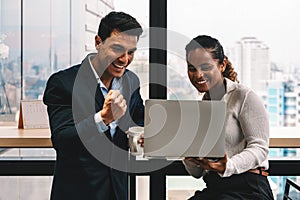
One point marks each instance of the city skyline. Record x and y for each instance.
(276, 23)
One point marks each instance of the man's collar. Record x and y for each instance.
(90, 56)
(115, 81)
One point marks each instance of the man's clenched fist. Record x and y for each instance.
(114, 107)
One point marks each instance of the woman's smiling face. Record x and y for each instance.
(205, 73)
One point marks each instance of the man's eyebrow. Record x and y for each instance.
(123, 48)
(118, 46)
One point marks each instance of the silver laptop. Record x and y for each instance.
(184, 128)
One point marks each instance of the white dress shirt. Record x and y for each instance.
(116, 85)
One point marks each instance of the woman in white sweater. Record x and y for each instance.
(241, 173)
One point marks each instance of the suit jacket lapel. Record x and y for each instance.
(99, 99)
(92, 85)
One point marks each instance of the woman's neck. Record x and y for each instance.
(216, 93)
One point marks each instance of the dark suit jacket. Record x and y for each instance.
(89, 164)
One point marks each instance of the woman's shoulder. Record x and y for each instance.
(241, 91)
(249, 95)
(237, 88)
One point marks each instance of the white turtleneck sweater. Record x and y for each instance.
(246, 132)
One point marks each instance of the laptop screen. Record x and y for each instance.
(184, 128)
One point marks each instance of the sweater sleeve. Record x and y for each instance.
(254, 124)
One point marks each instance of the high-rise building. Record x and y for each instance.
(297, 91)
(283, 103)
(251, 60)
(290, 105)
(275, 102)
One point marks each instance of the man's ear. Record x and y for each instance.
(97, 41)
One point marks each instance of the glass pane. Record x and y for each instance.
(140, 64)
(25, 188)
(37, 39)
(183, 187)
(254, 44)
(46, 43)
(56, 35)
(142, 187)
(27, 154)
(10, 65)
(60, 51)
(253, 35)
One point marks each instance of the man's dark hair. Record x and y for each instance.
(119, 21)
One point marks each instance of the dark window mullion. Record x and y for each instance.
(22, 49)
(158, 46)
(158, 77)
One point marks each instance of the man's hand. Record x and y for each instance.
(207, 164)
(114, 107)
(141, 140)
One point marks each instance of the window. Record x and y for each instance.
(140, 64)
(253, 43)
(10, 63)
(272, 101)
(53, 39)
(55, 34)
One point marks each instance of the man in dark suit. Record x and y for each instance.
(90, 107)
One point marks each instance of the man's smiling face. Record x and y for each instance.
(116, 53)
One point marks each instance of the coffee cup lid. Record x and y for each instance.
(135, 130)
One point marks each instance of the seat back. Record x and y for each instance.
(289, 194)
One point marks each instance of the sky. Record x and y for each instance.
(276, 23)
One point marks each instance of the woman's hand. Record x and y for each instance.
(207, 164)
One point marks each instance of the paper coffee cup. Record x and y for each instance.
(134, 134)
